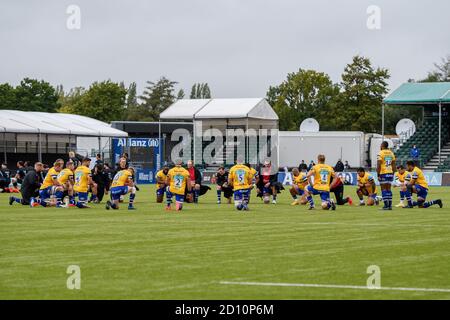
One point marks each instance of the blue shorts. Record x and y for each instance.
(82, 196)
(373, 196)
(178, 197)
(299, 191)
(387, 178)
(160, 191)
(241, 194)
(421, 192)
(324, 195)
(45, 193)
(116, 192)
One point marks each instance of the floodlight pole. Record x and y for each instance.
(440, 124)
(158, 165)
(4, 147)
(382, 122)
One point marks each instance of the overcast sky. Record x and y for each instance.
(240, 47)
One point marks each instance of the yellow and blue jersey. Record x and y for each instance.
(419, 178)
(82, 174)
(300, 181)
(178, 177)
(386, 158)
(322, 176)
(122, 178)
(240, 177)
(368, 178)
(162, 176)
(52, 175)
(65, 175)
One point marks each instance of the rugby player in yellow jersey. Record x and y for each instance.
(121, 185)
(66, 179)
(418, 184)
(366, 187)
(385, 171)
(161, 178)
(240, 179)
(322, 174)
(83, 180)
(50, 187)
(178, 182)
(400, 182)
(299, 182)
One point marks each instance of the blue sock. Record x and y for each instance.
(385, 200)
(408, 198)
(429, 203)
(169, 198)
(402, 195)
(196, 193)
(17, 200)
(93, 197)
(71, 199)
(219, 195)
(59, 195)
(311, 201)
(132, 196)
(389, 198)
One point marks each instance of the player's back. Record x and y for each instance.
(81, 174)
(241, 177)
(161, 175)
(121, 178)
(386, 157)
(178, 180)
(65, 175)
(322, 176)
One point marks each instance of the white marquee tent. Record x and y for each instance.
(31, 132)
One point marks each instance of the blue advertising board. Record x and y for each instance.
(143, 175)
(433, 178)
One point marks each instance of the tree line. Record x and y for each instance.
(354, 103)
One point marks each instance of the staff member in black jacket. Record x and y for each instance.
(101, 178)
(30, 185)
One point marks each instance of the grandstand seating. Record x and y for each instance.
(426, 138)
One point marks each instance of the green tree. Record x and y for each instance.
(104, 101)
(200, 91)
(132, 96)
(34, 95)
(7, 97)
(156, 97)
(441, 73)
(180, 94)
(363, 89)
(304, 94)
(70, 102)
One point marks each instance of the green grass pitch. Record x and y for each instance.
(153, 254)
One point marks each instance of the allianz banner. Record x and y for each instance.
(433, 178)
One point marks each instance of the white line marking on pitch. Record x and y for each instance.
(334, 286)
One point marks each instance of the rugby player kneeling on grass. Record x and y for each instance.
(161, 178)
(178, 181)
(51, 191)
(122, 184)
(300, 181)
(319, 178)
(416, 183)
(366, 187)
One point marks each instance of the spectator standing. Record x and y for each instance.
(346, 166)
(98, 159)
(311, 165)
(302, 167)
(339, 167)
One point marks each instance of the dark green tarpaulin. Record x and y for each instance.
(420, 93)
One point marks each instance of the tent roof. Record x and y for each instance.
(184, 109)
(257, 108)
(420, 93)
(55, 123)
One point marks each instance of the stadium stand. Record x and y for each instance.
(426, 139)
